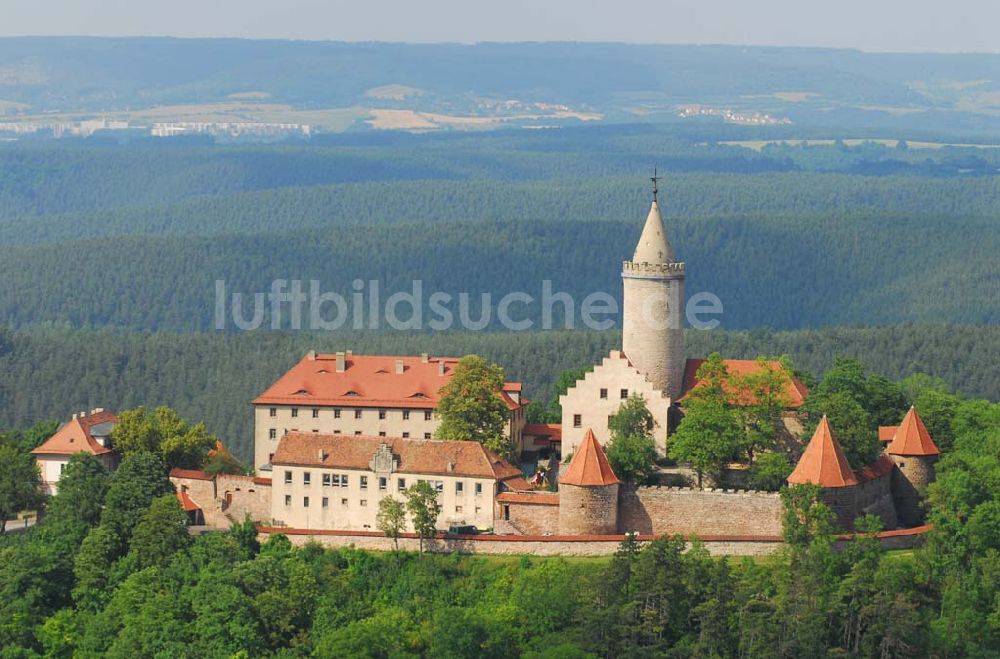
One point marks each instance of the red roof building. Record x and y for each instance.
(796, 391)
(823, 462)
(912, 438)
(84, 433)
(589, 466)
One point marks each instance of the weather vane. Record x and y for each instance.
(655, 179)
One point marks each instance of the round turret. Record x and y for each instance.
(914, 453)
(588, 492)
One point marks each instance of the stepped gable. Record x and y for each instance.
(823, 462)
(590, 466)
(912, 437)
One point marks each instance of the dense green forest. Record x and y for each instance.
(112, 571)
(754, 228)
(49, 374)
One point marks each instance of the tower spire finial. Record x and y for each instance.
(655, 179)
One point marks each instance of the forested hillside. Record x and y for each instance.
(49, 374)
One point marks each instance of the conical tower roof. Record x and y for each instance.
(590, 466)
(823, 462)
(653, 245)
(912, 438)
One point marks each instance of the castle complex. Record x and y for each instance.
(339, 432)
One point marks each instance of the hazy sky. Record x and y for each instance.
(903, 25)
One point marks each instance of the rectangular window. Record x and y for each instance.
(459, 487)
(357, 414)
(506, 512)
(357, 432)
(295, 412)
(439, 486)
(288, 499)
(624, 393)
(336, 414)
(343, 481)
(382, 483)
(427, 435)
(306, 477)
(604, 393)
(577, 420)
(272, 433)
(336, 480)
(406, 415)
(406, 435)
(381, 414)
(305, 502)
(479, 488)
(327, 480)
(364, 503)
(343, 502)
(336, 431)
(288, 478)
(274, 412)
(381, 433)
(401, 484)
(326, 502)
(458, 509)
(427, 415)
(315, 413)
(364, 482)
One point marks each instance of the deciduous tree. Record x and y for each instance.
(391, 519)
(471, 406)
(424, 508)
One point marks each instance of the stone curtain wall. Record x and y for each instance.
(246, 495)
(527, 519)
(872, 496)
(669, 510)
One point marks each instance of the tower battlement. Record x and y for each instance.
(652, 270)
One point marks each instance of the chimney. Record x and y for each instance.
(399, 367)
(322, 455)
(83, 414)
(75, 415)
(341, 362)
(311, 355)
(451, 467)
(441, 367)
(424, 358)
(97, 410)
(350, 353)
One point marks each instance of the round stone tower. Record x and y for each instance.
(914, 453)
(588, 492)
(653, 307)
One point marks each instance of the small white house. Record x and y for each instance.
(84, 433)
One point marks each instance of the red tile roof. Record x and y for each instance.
(368, 381)
(882, 466)
(912, 438)
(186, 503)
(76, 436)
(590, 466)
(415, 456)
(886, 433)
(796, 391)
(550, 431)
(531, 498)
(194, 474)
(823, 462)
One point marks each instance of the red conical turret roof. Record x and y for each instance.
(912, 438)
(823, 462)
(590, 466)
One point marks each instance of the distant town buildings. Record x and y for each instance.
(732, 116)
